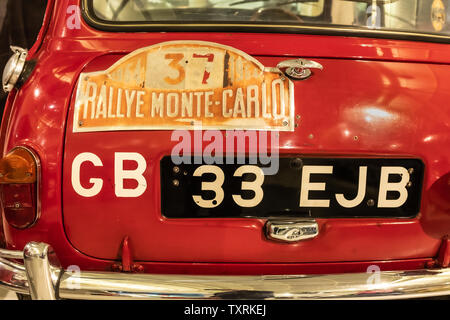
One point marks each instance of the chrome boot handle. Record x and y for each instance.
(298, 69)
(291, 230)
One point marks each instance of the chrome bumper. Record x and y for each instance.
(42, 278)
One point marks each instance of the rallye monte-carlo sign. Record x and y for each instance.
(178, 84)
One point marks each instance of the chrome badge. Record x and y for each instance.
(291, 231)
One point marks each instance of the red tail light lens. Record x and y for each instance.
(18, 187)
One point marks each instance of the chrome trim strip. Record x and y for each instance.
(11, 254)
(110, 285)
(392, 285)
(13, 277)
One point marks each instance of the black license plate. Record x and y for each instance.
(302, 187)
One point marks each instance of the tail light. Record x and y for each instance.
(19, 173)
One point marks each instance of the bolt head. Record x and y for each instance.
(116, 267)
(137, 268)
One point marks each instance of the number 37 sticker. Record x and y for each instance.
(172, 85)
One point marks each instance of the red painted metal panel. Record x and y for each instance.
(351, 108)
(391, 95)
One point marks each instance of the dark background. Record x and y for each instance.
(20, 22)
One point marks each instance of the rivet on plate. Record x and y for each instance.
(296, 163)
(176, 169)
(297, 116)
(285, 123)
(355, 138)
(409, 184)
(311, 136)
(370, 202)
(80, 123)
(175, 182)
(410, 170)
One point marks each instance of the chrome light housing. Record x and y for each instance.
(14, 68)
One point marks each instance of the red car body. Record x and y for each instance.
(375, 97)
